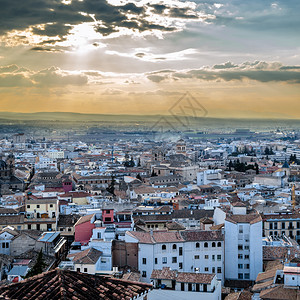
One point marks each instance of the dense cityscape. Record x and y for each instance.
(201, 216)
(149, 150)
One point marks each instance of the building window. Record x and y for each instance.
(29, 226)
(240, 266)
(275, 225)
(164, 260)
(271, 233)
(78, 269)
(144, 260)
(219, 257)
(240, 256)
(163, 247)
(98, 235)
(240, 229)
(51, 205)
(298, 224)
(275, 233)
(282, 232)
(28, 206)
(206, 269)
(180, 251)
(49, 227)
(247, 256)
(197, 245)
(144, 274)
(247, 247)
(240, 275)
(246, 266)
(240, 247)
(38, 227)
(174, 260)
(85, 270)
(247, 276)
(37, 206)
(213, 257)
(197, 256)
(271, 225)
(282, 225)
(213, 244)
(219, 244)
(174, 247)
(180, 265)
(219, 270)
(206, 257)
(155, 260)
(213, 270)
(205, 245)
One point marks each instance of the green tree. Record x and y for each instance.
(38, 266)
(256, 168)
(111, 187)
(153, 174)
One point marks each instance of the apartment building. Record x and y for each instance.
(185, 251)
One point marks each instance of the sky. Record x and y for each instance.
(238, 59)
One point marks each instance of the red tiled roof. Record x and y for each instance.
(250, 218)
(85, 219)
(165, 273)
(88, 256)
(64, 284)
(195, 277)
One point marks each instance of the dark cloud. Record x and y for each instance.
(58, 18)
(257, 71)
(55, 77)
(182, 13)
(15, 80)
(156, 78)
(227, 65)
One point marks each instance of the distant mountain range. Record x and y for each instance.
(70, 116)
(152, 122)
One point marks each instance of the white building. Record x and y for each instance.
(208, 176)
(185, 251)
(243, 244)
(184, 285)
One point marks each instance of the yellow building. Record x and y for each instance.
(41, 214)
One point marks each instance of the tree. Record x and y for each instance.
(267, 151)
(256, 168)
(38, 266)
(111, 187)
(153, 174)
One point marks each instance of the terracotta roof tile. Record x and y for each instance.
(195, 277)
(64, 284)
(84, 219)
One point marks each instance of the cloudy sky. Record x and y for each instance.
(237, 58)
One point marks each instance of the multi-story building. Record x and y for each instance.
(41, 213)
(243, 244)
(184, 285)
(185, 251)
(282, 223)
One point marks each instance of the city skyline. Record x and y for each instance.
(239, 60)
